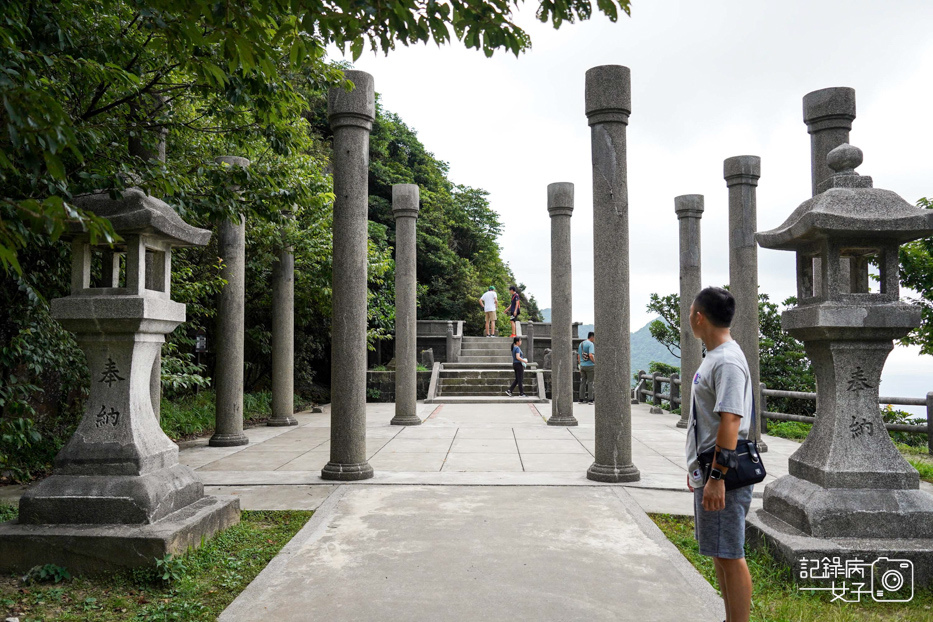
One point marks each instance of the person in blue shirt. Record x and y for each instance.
(586, 357)
(518, 365)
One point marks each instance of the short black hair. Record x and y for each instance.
(717, 304)
(516, 340)
(591, 334)
(513, 288)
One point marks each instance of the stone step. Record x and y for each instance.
(500, 360)
(485, 352)
(482, 366)
(491, 374)
(488, 399)
(529, 390)
(480, 383)
(498, 341)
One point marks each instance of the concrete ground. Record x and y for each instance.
(458, 444)
(429, 553)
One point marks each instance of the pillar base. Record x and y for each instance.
(656, 410)
(762, 448)
(613, 474)
(278, 422)
(228, 440)
(683, 424)
(405, 420)
(635, 402)
(347, 472)
(93, 549)
(564, 421)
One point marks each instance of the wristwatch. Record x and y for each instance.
(715, 474)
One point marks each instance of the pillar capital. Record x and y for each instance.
(355, 108)
(405, 200)
(560, 199)
(741, 170)
(832, 108)
(689, 206)
(608, 94)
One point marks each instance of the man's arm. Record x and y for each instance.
(714, 493)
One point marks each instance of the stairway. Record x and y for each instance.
(482, 374)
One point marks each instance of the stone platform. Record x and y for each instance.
(90, 549)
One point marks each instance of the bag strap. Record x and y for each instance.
(696, 433)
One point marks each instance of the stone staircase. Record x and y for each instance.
(482, 374)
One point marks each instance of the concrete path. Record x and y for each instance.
(506, 445)
(465, 553)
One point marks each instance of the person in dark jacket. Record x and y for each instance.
(518, 365)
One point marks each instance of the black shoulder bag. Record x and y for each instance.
(748, 470)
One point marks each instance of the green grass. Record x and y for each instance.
(209, 579)
(193, 415)
(918, 456)
(776, 597)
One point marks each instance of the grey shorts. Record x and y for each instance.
(722, 534)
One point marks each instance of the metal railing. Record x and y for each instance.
(651, 385)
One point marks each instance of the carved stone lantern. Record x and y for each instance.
(848, 487)
(118, 496)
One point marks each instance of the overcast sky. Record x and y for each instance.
(709, 81)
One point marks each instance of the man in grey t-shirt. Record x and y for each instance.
(719, 416)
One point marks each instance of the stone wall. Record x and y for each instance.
(384, 383)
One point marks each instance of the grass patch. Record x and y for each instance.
(193, 415)
(918, 456)
(776, 597)
(199, 584)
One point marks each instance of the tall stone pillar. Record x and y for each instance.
(283, 338)
(231, 320)
(405, 198)
(689, 210)
(608, 105)
(560, 208)
(351, 117)
(828, 114)
(741, 174)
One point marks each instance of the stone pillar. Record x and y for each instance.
(231, 312)
(560, 208)
(689, 209)
(828, 114)
(675, 391)
(608, 105)
(741, 174)
(451, 355)
(283, 338)
(405, 199)
(656, 394)
(351, 116)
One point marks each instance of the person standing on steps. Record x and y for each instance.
(490, 304)
(515, 306)
(722, 397)
(519, 362)
(586, 358)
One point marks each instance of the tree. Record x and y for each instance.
(89, 89)
(916, 260)
(783, 361)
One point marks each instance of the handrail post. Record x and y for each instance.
(656, 394)
(930, 422)
(451, 355)
(675, 391)
(640, 387)
(762, 407)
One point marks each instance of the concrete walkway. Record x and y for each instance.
(481, 513)
(466, 553)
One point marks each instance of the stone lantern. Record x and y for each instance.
(118, 496)
(849, 490)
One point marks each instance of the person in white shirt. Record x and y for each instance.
(490, 303)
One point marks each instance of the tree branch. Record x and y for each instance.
(92, 113)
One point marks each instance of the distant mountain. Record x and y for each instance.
(645, 348)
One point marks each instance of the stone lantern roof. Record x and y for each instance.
(137, 213)
(849, 207)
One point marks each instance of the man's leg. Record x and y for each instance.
(736, 583)
(582, 392)
(591, 384)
